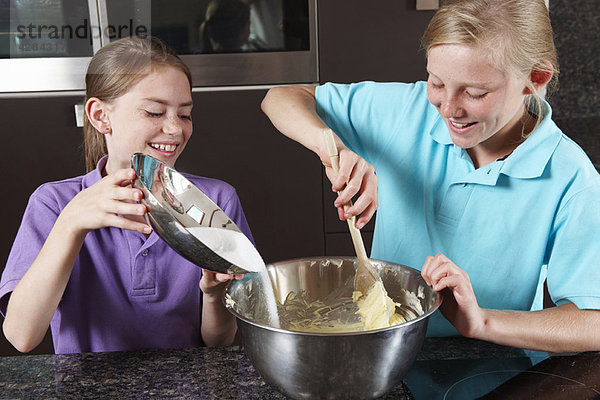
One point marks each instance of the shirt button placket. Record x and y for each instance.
(144, 274)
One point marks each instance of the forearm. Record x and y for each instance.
(218, 325)
(293, 111)
(35, 299)
(559, 329)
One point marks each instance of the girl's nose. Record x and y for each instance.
(172, 126)
(451, 107)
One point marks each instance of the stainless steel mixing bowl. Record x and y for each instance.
(175, 205)
(358, 365)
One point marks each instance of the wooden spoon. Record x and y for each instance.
(366, 275)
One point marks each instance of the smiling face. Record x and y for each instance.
(153, 117)
(482, 106)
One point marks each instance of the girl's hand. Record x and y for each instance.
(459, 304)
(213, 283)
(109, 202)
(355, 175)
(218, 324)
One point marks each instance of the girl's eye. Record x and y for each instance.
(434, 84)
(154, 115)
(476, 96)
(188, 117)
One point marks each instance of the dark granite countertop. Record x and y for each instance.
(227, 373)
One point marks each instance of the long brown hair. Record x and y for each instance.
(113, 71)
(516, 34)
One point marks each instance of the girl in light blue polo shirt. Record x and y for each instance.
(477, 186)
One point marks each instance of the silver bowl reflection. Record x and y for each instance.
(356, 365)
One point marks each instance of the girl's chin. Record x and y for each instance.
(463, 142)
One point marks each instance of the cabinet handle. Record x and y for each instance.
(428, 4)
(79, 115)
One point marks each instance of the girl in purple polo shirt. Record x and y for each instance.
(84, 261)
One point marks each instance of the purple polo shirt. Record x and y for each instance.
(125, 292)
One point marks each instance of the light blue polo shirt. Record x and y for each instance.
(503, 223)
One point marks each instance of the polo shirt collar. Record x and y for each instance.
(439, 132)
(96, 174)
(531, 157)
(527, 161)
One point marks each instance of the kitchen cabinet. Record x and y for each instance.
(47, 45)
(42, 143)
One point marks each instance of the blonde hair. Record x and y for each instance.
(516, 33)
(113, 71)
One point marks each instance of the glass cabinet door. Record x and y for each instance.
(229, 42)
(45, 45)
(47, 28)
(218, 26)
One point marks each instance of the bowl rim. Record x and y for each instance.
(420, 318)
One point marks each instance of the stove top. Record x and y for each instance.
(527, 377)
